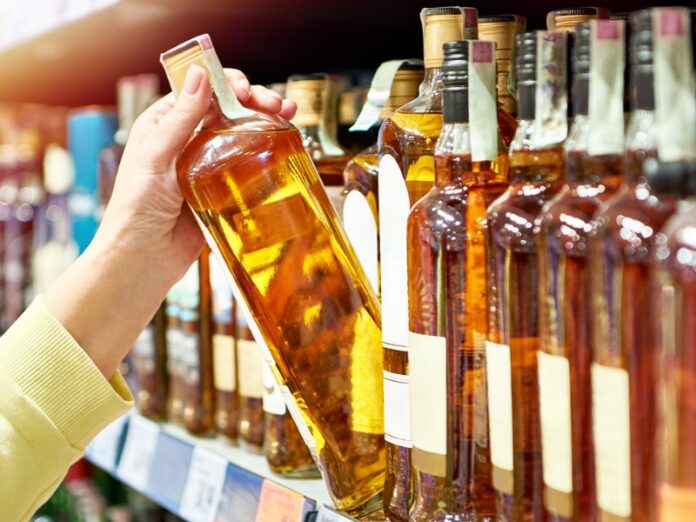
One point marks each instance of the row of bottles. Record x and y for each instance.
(514, 256)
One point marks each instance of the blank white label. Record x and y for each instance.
(397, 409)
(394, 206)
(554, 400)
(610, 414)
(361, 228)
(427, 359)
(224, 364)
(250, 364)
(136, 459)
(273, 401)
(498, 371)
(203, 489)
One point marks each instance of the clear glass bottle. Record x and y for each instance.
(675, 252)
(361, 202)
(316, 96)
(406, 148)
(447, 309)
(565, 309)
(502, 29)
(536, 175)
(623, 341)
(253, 187)
(225, 365)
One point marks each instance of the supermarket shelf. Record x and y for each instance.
(205, 479)
(76, 58)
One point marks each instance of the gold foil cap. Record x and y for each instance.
(501, 29)
(309, 92)
(567, 19)
(404, 88)
(440, 25)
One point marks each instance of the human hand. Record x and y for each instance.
(146, 216)
(148, 237)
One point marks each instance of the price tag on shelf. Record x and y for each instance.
(103, 450)
(279, 504)
(329, 515)
(138, 452)
(203, 489)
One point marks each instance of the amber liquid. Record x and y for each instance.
(566, 313)
(227, 401)
(361, 174)
(286, 452)
(410, 138)
(260, 198)
(151, 370)
(198, 390)
(175, 399)
(536, 176)
(623, 304)
(251, 415)
(447, 297)
(677, 416)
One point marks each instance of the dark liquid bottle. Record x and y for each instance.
(447, 309)
(536, 176)
(592, 177)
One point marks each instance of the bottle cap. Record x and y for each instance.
(567, 19)
(526, 57)
(309, 92)
(455, 72)
(440, 25)
(502, 29)
(404, 88)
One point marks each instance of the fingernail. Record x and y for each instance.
(194, 77)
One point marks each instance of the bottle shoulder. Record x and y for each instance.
(441, 211)
(676, 248)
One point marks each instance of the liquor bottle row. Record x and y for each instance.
(515, 222)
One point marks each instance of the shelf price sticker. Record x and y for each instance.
(136, 460)
(329, 515)
(279, 504)
(203, 490)
(103, 450)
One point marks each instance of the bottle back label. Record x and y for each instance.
(483, 118)
(611, 431)
(393, 220)
(554, 405)
(224, 363)
(397, 409)
(361, 228)
(428, 375)
(250, 364)
(499, 375)
(273, 401)
(551, 97)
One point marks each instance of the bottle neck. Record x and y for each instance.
(642, 89)
(455, 105)
(526, 103)
(432, 81)
(581, 96)
(453, 154)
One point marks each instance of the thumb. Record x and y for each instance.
(174, 129)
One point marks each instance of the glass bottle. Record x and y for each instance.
(253, 187)
(536, 175)
(175, 396)
(594, 172)
(502, 29)
(361, 203)
(316, 96)
(250, 361)
(196, 350)
(225, 377)
(567, 19)
(675, 252)
(623, 299)
(447, 303)
(286, 452)
(406, 147)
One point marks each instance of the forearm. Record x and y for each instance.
(105, 299)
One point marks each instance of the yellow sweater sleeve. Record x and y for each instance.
(53, 401)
